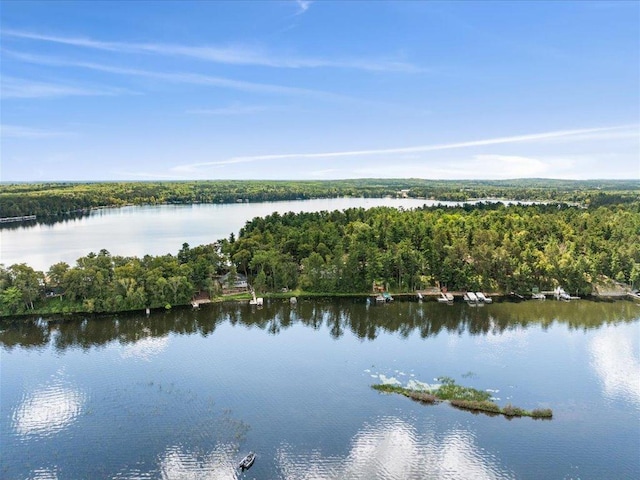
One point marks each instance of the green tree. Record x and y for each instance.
(11, 299)
(260, 283)
(56, 274)
(29, 282)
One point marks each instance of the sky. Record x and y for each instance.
(319, 90)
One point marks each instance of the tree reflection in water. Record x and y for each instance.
(338, 315)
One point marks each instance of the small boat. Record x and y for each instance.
(538, 296)
(483, 298)
(470, 297)
(387, 297)
(380, 299)
(246, 462)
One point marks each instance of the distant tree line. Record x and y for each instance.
(489, 247)
(52, 200)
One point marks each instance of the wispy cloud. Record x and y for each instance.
(230, 110)
(232, 55)
(17, 131)
(303, 6)
(179, 77)
(536, 137)
(11, 87)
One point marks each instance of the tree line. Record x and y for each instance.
(54, 200)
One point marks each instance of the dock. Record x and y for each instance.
(200, 301)
(23, 218)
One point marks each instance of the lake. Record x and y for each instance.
(185, 394)
(155, 230)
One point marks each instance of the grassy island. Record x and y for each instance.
(464, 398)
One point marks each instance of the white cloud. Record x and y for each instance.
(509, 166)
(179, 77)
(17, 131)
(230, 110)
(20, 88)
(303, 6)
(232, 55)
(511, 161)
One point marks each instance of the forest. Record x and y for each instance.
(486, 246)
(49, 201)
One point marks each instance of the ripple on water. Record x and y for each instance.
(179, 463)
(48, 409)
(43, 474)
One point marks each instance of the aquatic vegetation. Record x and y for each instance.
(449, 390)
(412, 394)
(542, 413)
(465, 398)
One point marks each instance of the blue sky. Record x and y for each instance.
(319, 90)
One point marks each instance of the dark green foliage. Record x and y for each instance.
(483, 247)
(105, 283)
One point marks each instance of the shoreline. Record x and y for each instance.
(46, 313)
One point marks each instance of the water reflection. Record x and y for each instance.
(393, 449)
(617, 364)
(498, 323)
(145, 348)
(43, 474)
(178, 463)
(48, 409)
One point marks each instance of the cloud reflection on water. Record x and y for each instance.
(393, 449)
(390, 449)
(48, 409)
(616, 362)
(177, 463)
(145, 349)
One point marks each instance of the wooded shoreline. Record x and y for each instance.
(482, 247)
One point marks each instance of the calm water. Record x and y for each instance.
(154, 230)
(185, 394)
